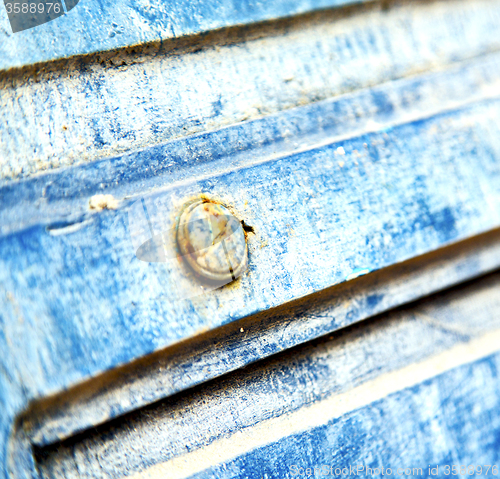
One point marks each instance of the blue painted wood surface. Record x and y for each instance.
(337, 186)
(255, 338)
(102, 106)
(95, 26)
(390, 196)
(62, 196)
(84, 308)
(285, 409)
(451, 420)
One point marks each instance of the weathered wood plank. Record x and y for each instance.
(359, 182)
(94, 26)
(226, 349)
(63, 196)
(451, 420)
(87, 304)
(92, 108)
(316, 388)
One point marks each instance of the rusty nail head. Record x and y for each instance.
(212, 241)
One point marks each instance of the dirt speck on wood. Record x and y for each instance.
(103, 202)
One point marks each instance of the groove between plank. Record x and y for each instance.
(318, 414)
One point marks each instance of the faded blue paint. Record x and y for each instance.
(323, 206)
(93, 108)
(96, 26)
(269, 334)
(87, 304)
(317, 371)
(88, 288)
(46, 199)
(451, 419)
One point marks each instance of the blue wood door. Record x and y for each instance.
(250, 240)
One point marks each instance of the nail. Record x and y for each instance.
(212, 241)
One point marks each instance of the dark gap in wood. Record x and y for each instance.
(120, 58)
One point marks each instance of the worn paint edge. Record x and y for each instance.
(154, 33)
(272, 430)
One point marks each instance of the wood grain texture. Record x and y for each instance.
(88, 304)
(363, 203)
(94, 26)
(81, 263)
(254, 338)
(450, 420)
(95, 107)
(337, 174)
(62, 197)
(305, 392)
